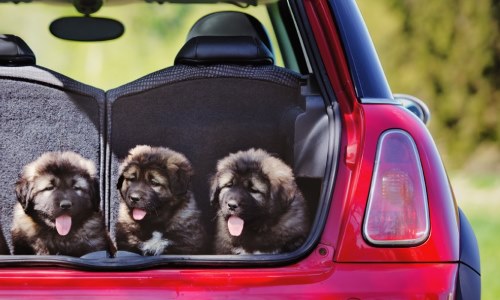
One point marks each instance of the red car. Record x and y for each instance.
(384, 223)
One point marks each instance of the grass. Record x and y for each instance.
(479, 198)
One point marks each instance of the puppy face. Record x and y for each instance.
(243, 194)
(153, 179)
(59, 190)
(250, 188)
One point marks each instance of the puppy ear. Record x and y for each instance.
(285, 194)
(281, 180)
(24, 192)
(214, 191)
(95, 196)
(120, 182)
(179, 177)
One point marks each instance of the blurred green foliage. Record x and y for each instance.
(486, 229)
(447, 53)
(479, 197)
(153, 35)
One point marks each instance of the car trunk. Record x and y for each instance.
(204, 112)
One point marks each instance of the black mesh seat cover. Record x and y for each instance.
(205, 112)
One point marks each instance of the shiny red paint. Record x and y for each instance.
(332, 56)
(363, 125)
(337, 70)
(344, 265)
(312, 278)
(443, 243)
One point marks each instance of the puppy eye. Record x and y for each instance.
(229, 184)
(155, 182)
(131, 178)
(254, 191)
(48, 188)
(77, 188)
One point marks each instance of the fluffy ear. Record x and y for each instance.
(24, 191)
(179, 177)
(120, 182)
(214, 191)
(284, 191)
(95, 196)
(281, 179)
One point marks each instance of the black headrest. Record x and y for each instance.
(230, 23)
(15, 52)
(244, 50)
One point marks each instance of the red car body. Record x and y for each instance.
(341, 263)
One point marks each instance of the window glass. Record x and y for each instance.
(153, 35)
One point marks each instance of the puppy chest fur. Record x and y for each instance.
(180, 233)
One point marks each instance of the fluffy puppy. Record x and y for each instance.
(158, 213)
(259, 208)
(58, 208)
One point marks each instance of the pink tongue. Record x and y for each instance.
(138, 214)
(235, 225)
(63, 224)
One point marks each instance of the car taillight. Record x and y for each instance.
(397, 210)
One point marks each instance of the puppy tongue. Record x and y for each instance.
(63, 224)
(235, 225)
(138, 214)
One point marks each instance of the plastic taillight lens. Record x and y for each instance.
(397, 211)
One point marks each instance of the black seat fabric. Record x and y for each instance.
(41, 110)
(205, 111)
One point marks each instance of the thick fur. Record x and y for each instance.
(261, 190)
(58, 183)
(157, 180)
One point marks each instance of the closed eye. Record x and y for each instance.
(154, 182)
(254, 191)
(130, 178)
(48, 188)
(227, 185)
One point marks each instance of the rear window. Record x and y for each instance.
(153, 36)
(151, 150)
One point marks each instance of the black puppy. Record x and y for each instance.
(260, 210)
(58, 208)
(158, 213)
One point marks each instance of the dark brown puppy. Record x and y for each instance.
(260, 210)
(158, 213)
(58, 208)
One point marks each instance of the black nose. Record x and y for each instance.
(232, 205)
(65, 204)
(135, 197)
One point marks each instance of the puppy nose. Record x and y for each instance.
(135, 197)
(65, 204)
(232, 205)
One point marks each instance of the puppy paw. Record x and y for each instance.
(155, 245)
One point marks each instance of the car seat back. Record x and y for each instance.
(206, 108)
